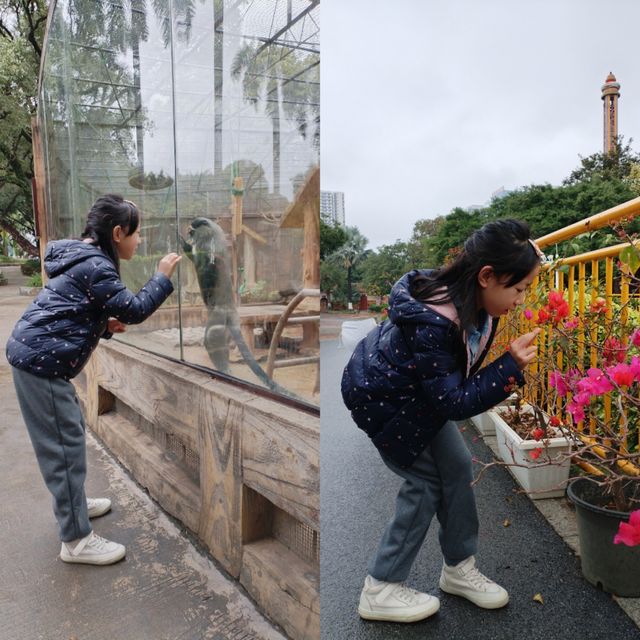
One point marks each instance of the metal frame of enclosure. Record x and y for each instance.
(203, 109)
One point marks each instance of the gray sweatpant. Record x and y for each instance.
(438, 483)
(57, 430)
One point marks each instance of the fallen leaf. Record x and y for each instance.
(538, 598)
(506, 523)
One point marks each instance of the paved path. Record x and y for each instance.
(165, 589)
(527, 557)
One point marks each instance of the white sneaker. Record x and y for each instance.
(465, 580)
(98, 506)
(92, 550)
(394, 602)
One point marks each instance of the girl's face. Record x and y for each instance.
(496, 298)
(126, 246)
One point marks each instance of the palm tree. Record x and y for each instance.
(350, 254)
(287, 79)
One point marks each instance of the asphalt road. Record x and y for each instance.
(527, 557)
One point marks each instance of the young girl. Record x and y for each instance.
(84, 300)
(406, 383)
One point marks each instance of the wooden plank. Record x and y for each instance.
(162, 395)
(167, 483)
(220, 520)
(284, 585)
(280, 458)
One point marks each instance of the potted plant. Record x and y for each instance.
(588, 377)
(533, 447)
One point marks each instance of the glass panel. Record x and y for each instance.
(206, 114)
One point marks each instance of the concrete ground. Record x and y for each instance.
(533, 554)
(165, 589)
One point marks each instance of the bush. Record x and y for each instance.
(35, 280)
(30, 267)
(3, 279)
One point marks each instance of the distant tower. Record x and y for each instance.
(610, 95)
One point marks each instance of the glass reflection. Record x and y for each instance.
(206, 114)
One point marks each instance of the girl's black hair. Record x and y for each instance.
(106, 213)
(502, 244)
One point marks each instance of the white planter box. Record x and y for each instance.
(484, 422)
(538, 479)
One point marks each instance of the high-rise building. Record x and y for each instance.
(610, 95)
(332, 207)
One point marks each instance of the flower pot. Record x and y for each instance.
(613, 567)
(484, 422)
(537, 477)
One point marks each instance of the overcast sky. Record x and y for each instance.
(428, 105)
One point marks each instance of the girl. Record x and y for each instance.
(84, 300)
(407, 382)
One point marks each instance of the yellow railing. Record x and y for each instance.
(582, 279)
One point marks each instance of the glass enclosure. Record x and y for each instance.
(205, 113)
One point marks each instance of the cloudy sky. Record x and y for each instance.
(432, 104)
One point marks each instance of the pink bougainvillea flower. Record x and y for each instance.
(528, 314)
(629, 533)
(557, 382)
(576, 411)
(534, 454)
(571, 323)
(635, 338)
(613, 351)
(622, 375)
(596, 383)
(635, 368)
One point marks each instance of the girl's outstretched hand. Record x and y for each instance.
(115, 326)
(167, 265)
(523, 348)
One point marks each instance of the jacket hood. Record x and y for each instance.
(405, 309)
(62, 254)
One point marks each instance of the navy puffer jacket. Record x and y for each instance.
(62, 326)
(409, 375)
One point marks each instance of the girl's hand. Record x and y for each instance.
(115, 326)
(523, 348)
(168, 264)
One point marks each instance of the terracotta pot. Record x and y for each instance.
(613, 567)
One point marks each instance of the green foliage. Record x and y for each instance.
(3, 279)
(21, 33)
(35, 280)
(380, 270)
(332, 237)
(30, 267)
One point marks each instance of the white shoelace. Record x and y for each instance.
(406, 594)
(477, 579)
(96, 542)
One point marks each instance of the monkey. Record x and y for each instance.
(207, 248)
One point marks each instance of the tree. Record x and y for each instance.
(332, 237)
(381, 269)
(349, 255)
(615, 165)
(22, 25)
(284, 79)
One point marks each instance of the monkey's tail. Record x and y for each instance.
(238, 338)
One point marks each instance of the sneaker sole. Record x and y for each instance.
(389, 617)
(101, 561)
(479, 603)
